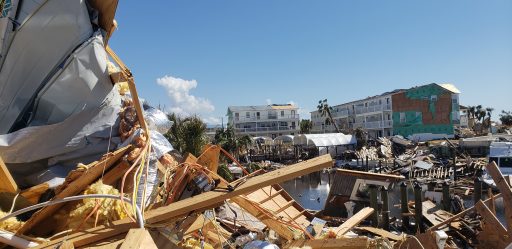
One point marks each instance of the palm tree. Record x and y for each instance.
(232, 143)
(325, 111)
(506, 118)
(305, 126)
(187, 135)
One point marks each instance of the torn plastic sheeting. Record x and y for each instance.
(37, 49)
(157, 120)
(423, 165)
(159, 144)
(81, 84)
(148, 181)
(76, 134)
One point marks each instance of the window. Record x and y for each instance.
(293, 113)
(387, 101)
(237, 116)
(257, 115)
(282, 113)
(433, 97)
(402, 117)
(247, 114)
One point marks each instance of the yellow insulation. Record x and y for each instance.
(11, 224)
(109, 210)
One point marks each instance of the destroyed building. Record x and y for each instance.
(420, 113)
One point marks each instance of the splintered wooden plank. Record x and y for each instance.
(138, 238)
(264, 216)
(210, 158)
(505, 190)
(7, 183)
(197, 202)
(494, 234)
(214, 197)
(276, 193)
(382, 233)
(353, 221)
(113, 175)
(75, 187)
(359, 242)
(34, 193)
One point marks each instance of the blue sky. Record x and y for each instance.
(202, 56)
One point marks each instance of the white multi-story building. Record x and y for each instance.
(266, 120)
(374, 114)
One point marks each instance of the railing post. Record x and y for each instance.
(418, 208)
(404, 203)
(374, 205)
(385, 208)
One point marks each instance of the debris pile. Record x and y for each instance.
(83, 164)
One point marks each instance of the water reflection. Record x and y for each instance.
(310, 191)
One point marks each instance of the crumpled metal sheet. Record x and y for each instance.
(81, 84)
(37, 49)
(157, 120)
(159, 144)
(148, 181)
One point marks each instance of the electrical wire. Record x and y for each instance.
(75, 198)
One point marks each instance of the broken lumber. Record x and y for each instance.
(269, 220)
(382, 233)
(7, 183)
(197, 203)
(94, 171)
(505, 190)
(138, 238)
(352, 243)
(353, 221)
(494, 234)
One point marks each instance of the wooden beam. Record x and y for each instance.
(360, 242)
(67, 245)
(494, 234)
(382, 233)
(299, 215)
(138, 238)
(270, 197)
(7, 183)
(459, 215)
(113, 175)
(353, 221)
(198, 202)
(265, 217)
(285, 206)
(210, 158)
(34, 193)
(214, 197)
(93, 172)
(505, 190)
(370, 174)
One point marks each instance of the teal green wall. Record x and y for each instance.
(414, 124)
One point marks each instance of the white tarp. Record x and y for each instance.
(87, 126)
(284, 139)
(37, 49)
(321, 140)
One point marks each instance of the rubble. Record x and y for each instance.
(101, 174)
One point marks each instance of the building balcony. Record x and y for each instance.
(374, 124)
(370, 109)
(263, 118)
(265, 129)
(341, 114)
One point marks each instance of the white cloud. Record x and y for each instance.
(182, 101)
(268, 101)
(212, 120)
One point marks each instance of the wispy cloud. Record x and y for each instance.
(183, 102)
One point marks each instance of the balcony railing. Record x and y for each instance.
(265, 129)
(375, 108)
(268, 117)
(374, 124)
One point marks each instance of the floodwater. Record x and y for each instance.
(311, 192)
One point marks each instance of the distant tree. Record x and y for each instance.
(305, 126)
(361, 139)
(506, 118)
(187, 135)
(231, 143)
(325, 111)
